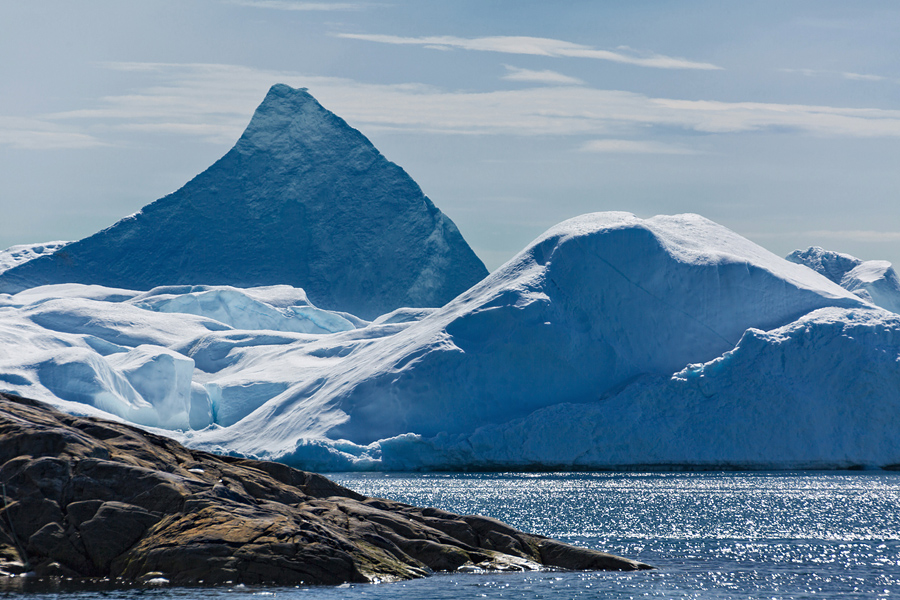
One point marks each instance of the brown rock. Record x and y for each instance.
(137, 505)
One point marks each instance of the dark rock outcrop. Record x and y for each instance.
(89, 498)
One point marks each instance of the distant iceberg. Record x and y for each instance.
(22, 253)
(302, 199)
(872, 280)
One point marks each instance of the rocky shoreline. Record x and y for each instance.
(87, 498)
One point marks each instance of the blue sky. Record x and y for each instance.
(780, 120)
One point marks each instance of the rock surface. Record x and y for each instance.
(302, 199)
(89, 498)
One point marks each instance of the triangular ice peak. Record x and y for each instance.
(301, 199)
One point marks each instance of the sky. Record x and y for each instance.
(779, 120)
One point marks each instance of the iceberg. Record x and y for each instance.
(872, 280)
(789, 398)
(609, 342)
(174, 358)
(22, 253)
(592, 306)
(302, 199)
(279, 308)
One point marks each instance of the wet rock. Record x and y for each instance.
(88, 498)
(115, 528)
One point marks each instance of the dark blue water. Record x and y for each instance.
(712, 535)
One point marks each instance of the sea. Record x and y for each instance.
(718, 535)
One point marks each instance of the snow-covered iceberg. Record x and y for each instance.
(173, 358)
(590, 307)
(872, 280)
(302, 199)
(22, 253)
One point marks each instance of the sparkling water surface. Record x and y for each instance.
(711, 535)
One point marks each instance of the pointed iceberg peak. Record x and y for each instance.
(289, 118)
(302, 199)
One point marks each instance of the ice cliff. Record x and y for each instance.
(302, 199)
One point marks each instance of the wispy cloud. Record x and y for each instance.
(842, 74)
(39, 134)
(215, 102)
(548, 77)
(613, 146)
(862, 76)
(536, 46)
(302, 6)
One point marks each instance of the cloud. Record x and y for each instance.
(37, 134)
(614, 146)
(215, 102)
(537, 47)
(212, 102)
(843, 74)
(301, 6)
(862, 77)
(548, 77)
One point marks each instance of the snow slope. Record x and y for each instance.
(591, 305)
(873, 280)
(302, 199)
(16, 255)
